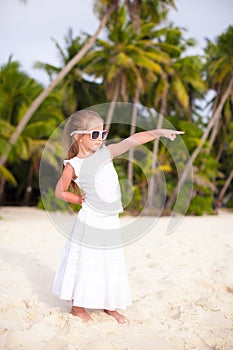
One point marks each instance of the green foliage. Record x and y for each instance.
(4, 172)
(128, 56)
(75, 91)
(17, 91)
(229, 203)
(51, 203)
(132, 196)
(136, 205)
(202, 203)
(219, 61)
(152, 58)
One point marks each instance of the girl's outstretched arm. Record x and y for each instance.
(63, 184)
(140, 138)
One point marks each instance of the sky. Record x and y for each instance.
(26, 31)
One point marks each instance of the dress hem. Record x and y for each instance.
(97, 307)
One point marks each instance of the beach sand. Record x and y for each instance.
(181, 286)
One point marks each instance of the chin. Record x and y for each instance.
(94, 148)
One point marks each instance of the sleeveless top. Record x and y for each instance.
(97, 178)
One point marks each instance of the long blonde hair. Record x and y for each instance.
(78, 121)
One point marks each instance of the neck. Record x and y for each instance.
(83, 152)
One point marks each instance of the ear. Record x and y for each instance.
(76, 137)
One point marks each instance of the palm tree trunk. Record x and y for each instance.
(225, 187)
(212, 121)
(132, 131)
(37, 102)
(214, 134)
(28, 190)
(2, 186)
(220, 151)
(134, 9)
(152, 181)
(112, 106)
(214, 131)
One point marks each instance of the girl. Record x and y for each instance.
(90, 275)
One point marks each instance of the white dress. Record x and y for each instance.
(92, 269)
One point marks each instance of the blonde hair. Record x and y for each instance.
(78, 121)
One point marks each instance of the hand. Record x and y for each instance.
(170, 134)
(82, 198)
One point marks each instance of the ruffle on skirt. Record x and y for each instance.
(93, 278)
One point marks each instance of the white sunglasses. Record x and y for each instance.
(94, 134)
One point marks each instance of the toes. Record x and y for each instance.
(118, 317)
(80, 313)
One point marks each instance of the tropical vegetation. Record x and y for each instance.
(145, 64)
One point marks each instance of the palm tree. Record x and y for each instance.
(132, 59)
(220, 77)
(127, 56)
(223, 151)
(174, 91)
(18, 91)
(225, 187)
(77, 91)
(42, 96)
(145, 11)
(151, 14)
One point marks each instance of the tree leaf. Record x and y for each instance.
(5, 173)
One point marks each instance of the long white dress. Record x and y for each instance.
(92, 270)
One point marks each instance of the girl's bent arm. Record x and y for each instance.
(61, 190)
(140, 138)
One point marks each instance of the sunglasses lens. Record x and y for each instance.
(104, 135)
(95, 135)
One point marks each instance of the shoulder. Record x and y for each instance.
(72, 161)
(74, 164)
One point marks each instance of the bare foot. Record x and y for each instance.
(120, 318)
(81, 312)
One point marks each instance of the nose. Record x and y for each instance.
(100, 137)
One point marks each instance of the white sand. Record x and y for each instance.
(181, 284)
